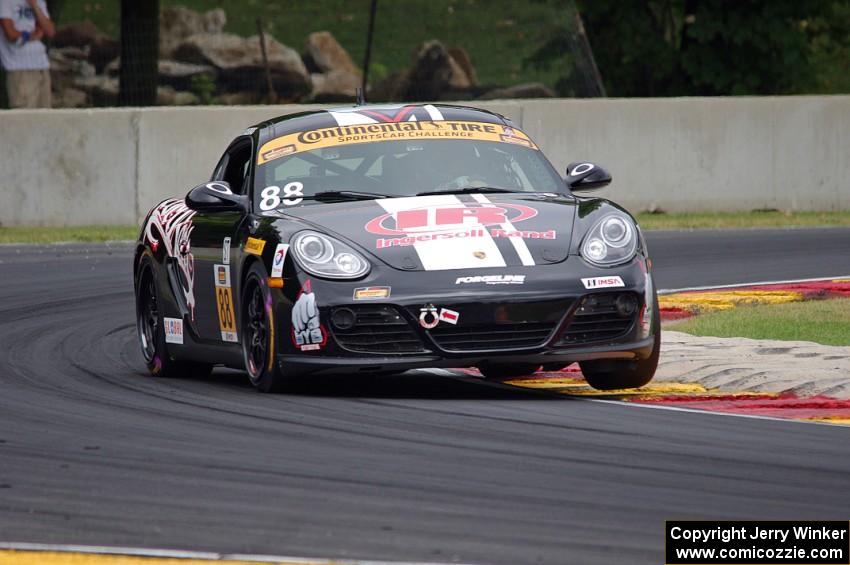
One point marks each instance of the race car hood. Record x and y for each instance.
(441, 232)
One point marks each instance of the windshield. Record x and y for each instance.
(394, 168)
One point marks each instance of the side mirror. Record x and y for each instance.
(586, 176)
(216, 196)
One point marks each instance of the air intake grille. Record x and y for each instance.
(492, 336)
(378, 329)
(597, 319)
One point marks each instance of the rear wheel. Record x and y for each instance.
(258, 335)
(502, 371)
(149, 323)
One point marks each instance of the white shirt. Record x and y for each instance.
(32, 55)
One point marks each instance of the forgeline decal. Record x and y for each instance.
(389, 131)
(603, 282)
(372, 292)
(173, 330)
(279, 259)
(308, 334)
(492, 279)
(254, 246)
(224, 301)
(173, 220)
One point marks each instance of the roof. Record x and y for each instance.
(372, 114)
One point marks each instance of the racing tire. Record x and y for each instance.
(258, 335)
(613, 375)
(502, 371)
(151, 330)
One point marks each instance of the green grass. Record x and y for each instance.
(497, 34)
(727, 220)
(821, 321)
(52, 235)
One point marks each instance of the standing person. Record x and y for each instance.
(23, 55)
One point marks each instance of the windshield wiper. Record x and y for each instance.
(466, 189)
(345, 195)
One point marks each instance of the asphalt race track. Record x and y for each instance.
(416, 467)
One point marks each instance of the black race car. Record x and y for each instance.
(386, 238)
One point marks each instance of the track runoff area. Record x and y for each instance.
(685, 542)
(685, 395)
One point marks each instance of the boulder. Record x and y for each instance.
(462, 60)
(69, 98)
(239, 62)
(167, 96)
(325, 54)
(176, 23)
(171, 73)
(334, 86)
(101, 90)
(102, 49)
(430, 73)
(67, 64)
(527, 90)
(239, 98)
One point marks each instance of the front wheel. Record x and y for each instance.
(612, 375)
(149, 323)
(258, 335)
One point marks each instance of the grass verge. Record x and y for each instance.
(731, 220)
(29, 234)
(821, 321)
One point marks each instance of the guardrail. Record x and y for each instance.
(77, 167)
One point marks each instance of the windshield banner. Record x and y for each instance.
(367, 133)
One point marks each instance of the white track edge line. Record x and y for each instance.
(548, 393)
(739, 285)
(185, 554)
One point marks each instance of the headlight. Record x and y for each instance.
(611, 241)
(324, 256)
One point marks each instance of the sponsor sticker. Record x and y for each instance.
(603, 282)
(254, 246)
(225, 251)
(389, 131)
(492, 279)
(279, 259)
(449, 316)
(173, 330)
(308, 333)
(222, 275)
(372, 292)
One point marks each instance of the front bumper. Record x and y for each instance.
(551, 318)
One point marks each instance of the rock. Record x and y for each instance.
(239, 98)
(335, 86)
(167, 96)
(67, 64)
(102, 49)
(176, 23)
(101, 89)
(528, 90)
(430, 73)
(76, 34)
(70, 98)
(327, 55)
(239, 62)
(461, 58)
(180, 75)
